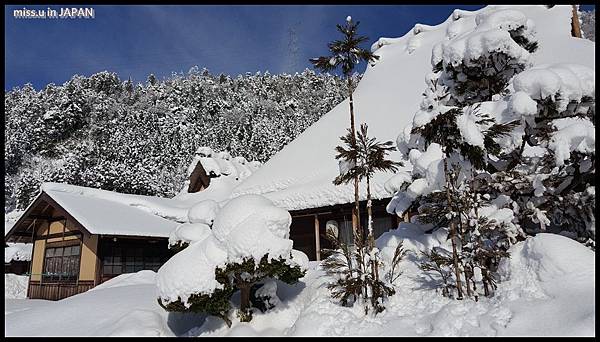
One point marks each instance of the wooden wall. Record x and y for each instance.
(59, 233)
(55, 291)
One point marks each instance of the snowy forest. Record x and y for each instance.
(104, 132)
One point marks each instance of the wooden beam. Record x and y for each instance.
(57, 235)
(47, 218)
(317, 238)
(312, 214)
(575, 27)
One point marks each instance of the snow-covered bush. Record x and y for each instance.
(550, 174)
(249, 242)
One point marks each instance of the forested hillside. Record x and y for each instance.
(104, 132)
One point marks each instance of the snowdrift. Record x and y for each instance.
(550, 292)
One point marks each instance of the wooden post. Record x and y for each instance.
(32, 255)
(575, 27)
(317, 238)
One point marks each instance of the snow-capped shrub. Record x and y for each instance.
(249, 242)
(187, 233)
(203, 212)
(556, 106)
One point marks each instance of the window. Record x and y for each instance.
(61, 264)
(346, 234)
(121, 258)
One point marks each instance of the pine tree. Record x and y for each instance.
(155, 128)
(451, 191)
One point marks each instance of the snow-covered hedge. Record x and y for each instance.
(249, 241)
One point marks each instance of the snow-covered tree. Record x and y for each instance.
(551, 170)
(453, 144)
(588, 24)
(247, 245)
(98, 131)
(357, 270)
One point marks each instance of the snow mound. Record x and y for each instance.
(552, 258)
(191, 271)
(128, 279)
(203, 212)
(252, 225)
(15, 286)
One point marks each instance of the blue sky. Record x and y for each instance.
(134, 41)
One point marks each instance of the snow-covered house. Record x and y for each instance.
(82, 236)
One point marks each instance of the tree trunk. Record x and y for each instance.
(356, 227)
(244, 296)
(370, 215)
(453, 235)
(353, 129)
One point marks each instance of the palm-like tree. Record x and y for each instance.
(365, 156)
(369, 156)
(345, 54)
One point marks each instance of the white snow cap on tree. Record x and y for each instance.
(189, 233)
(203, 212)
(204, 151)
(563, 82)
(490, 35)
(247, 227)
(252, 226)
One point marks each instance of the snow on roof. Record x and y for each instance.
(300, 176)
(105, 212)
(225, 172)
(17, 252)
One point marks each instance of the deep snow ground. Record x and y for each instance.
(547, 289)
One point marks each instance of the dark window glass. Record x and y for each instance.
(108, 269)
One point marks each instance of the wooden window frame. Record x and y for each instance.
(125, 249)
(63, 245)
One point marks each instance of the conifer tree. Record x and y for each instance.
(453, 126)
